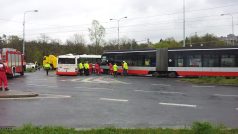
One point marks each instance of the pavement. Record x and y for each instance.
(16, 94)
(127, 102)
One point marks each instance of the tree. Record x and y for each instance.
(96, 33)
(167, 43)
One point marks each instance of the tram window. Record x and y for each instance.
(228, 60)
(210, 61)
(179, 61)
(195, 61)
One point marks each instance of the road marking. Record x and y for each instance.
(161, 85)
(48, 96)
(237, 109)
(179, 105)
(108, 99)
(94, 88)
(203, 86)
(159, 92)
(225, 95)
(40, 85)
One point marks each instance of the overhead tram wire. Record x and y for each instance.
(174, 13)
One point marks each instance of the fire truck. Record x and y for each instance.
(13, 60)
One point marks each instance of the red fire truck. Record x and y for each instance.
(13, 60)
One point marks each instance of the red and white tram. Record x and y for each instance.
(176, 62)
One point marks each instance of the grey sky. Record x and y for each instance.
(154, 19)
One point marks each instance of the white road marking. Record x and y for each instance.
(179, 105)
(237, 109)
(161, 85)
(93, 88)
(47, 96)
(40, 85)
(203, 86)
(108, 99)
(159, 92)
(225, 95)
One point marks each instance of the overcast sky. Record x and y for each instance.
(153, 19)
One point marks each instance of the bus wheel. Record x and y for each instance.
(22, 73)
(172, 75)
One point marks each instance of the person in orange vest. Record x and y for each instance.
(3, 77)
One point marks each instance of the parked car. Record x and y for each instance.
(30, 65)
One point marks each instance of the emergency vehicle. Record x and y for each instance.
(13, 61)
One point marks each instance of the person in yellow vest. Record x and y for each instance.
(86, 68)
(80, 66)
(47, 68)
(115, 68)
(125, 68)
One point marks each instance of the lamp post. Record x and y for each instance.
(118, 21)
(232, 26)
(184, 23)
(23, 49)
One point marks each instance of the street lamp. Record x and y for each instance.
(118, 20)
(232, 25)
(23, 49)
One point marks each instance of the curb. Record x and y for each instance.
(17, 94)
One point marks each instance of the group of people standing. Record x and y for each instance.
(87, 68)
(113, 69)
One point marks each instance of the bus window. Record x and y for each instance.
(66, 61)
(228, 60)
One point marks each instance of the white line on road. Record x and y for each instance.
(203, 86)
(225, 95)
(93, 88)
(108, 99)
(40, 85)
(179, 105)
(237, 109)
(159, 92)
(165, 85)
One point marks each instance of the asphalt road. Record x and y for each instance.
(104, 101)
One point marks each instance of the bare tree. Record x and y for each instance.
(96, 32)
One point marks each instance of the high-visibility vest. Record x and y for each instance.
(47, 66)
(115, 67)
(86, 65)
(80, 65)
(125, 66)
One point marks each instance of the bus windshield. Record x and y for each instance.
(66, 60)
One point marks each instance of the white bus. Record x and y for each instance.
(68, 64)
(90, 58)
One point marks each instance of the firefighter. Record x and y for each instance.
(110, 69)
(86, 68)
(80, 68)
(97, 69)
(90, 68)
(3, 77)
(115, 68)
(47, 68)
(125, 68)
